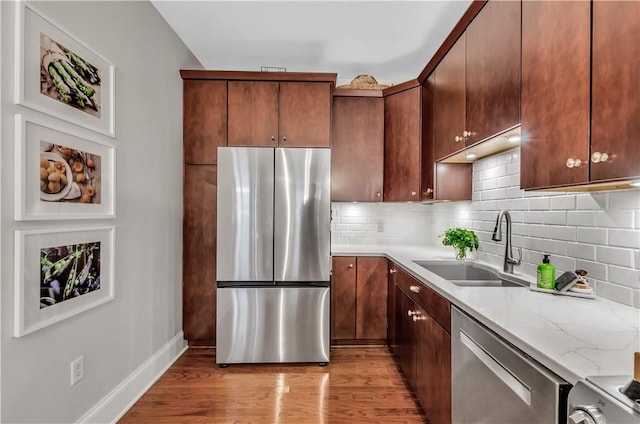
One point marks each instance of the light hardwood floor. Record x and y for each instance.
(361, 384)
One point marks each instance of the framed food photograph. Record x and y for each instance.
(59, 273)
(59, 75)
(61, 175)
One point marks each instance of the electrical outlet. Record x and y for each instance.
(380, 226)
(77, 370)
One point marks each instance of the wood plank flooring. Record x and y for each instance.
(361, 384)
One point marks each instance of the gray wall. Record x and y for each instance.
(119, 336)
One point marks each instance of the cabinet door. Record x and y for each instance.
(450, 101)
(615, 97)
(204, 120)
(343, 298)
(454, 181)
(357, 149)
(199, 253)
(493, 70)
(427, 188)
(305, 114)
(433, 369)
(253, 113)
(405, 337)
(371, 299)
(402, 127)
(555, 93)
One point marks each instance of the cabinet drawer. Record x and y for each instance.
(434, 304)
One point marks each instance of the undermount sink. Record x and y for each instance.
(471, 274)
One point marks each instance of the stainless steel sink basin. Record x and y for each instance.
(470, 274)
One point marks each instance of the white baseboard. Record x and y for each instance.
(113, 406)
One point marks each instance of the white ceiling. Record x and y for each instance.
(391, 40)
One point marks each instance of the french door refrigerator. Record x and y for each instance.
(273, 255)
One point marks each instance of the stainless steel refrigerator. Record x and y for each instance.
(273, 255)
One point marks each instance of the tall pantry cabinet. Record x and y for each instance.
(230, 108)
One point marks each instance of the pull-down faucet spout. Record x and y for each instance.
(509, 260)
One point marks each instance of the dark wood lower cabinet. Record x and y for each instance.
(343, 298)
(199, 254)
(423, 346)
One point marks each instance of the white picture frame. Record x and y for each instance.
(89, 191)
(31, 246)
(39, 42)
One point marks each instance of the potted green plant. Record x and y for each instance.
(461, 239)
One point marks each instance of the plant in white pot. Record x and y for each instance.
(462, 240)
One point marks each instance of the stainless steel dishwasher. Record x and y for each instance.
(494, 382)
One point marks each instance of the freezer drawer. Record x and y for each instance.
(272, 324)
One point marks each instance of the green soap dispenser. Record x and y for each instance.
(546, 274)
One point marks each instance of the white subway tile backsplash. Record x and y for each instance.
(598, 231)
(597, 201)
(583, 218)
(624, 276)
(592, 235)
(614, 255)
(624, 238)
(563, 202)
(615, 219)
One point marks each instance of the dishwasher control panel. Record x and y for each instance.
(588, 404)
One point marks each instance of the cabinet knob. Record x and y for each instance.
(350, 266)
(273, 138)
(458, 139)
(467, 133)
(378, 194)
(429, 191)
(418, 317)
(415, 289)
(413, 193)
(412, 313)
(392, 271)
(573, 163)
(284, 138)
(599, 157)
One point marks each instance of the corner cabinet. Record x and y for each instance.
(402, 144)
(580, 93)
(423, 344)
(358, 299)
(357, 149)
(284, 114)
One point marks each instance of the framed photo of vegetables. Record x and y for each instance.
(59, 273)
(59, 75)
(60, 174)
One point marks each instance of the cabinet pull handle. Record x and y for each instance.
(392, 271)
(415, 289)
(467, 133)
(599, 157)
(350, 266)
(573, 163)
(284, 138)
(273, 138)
(413, 193)
(458, 139)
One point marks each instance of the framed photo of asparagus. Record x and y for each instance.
(61, 174)
(59, 273)
(59, 75)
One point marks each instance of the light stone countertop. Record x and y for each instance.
(572, 337)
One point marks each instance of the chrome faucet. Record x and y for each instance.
(509, 260)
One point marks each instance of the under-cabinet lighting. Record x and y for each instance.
(470, 155)
(635, 184)
(514, 139)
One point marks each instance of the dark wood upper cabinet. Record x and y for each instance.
(454, 181)
(493, 70)
(555, 93)
(449, 116)
(357, 149)
(402, 144)
(285, 114)
(305, 114)
(199, 253)
(427, 188)
(253, 113)
(371, 303)
(343, 298)
(615, 90)
(204, 120)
